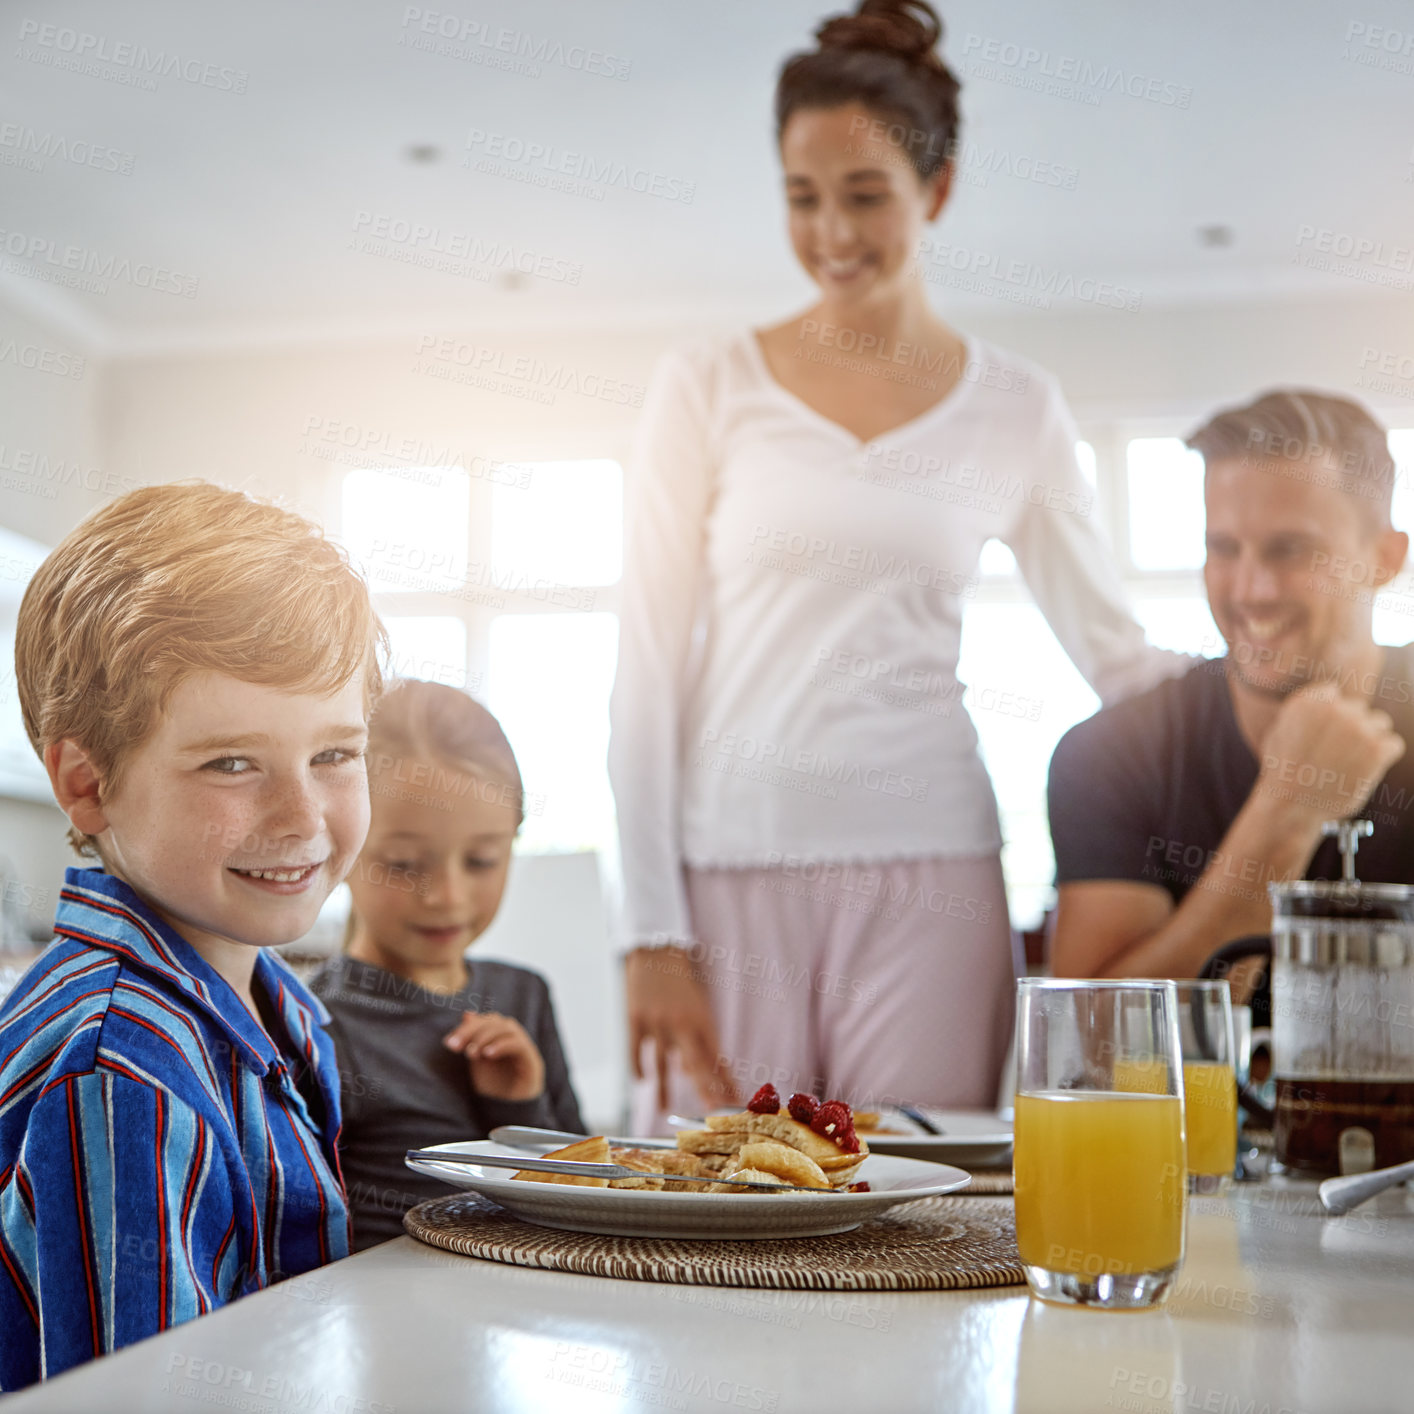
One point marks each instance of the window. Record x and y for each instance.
(550, 679)
(565, 525)
(1182, 624)
(1394, 609)
(551, 671)
(1022, 694)
(407, 527)
(430, 646)
(1165, 485)
(21, 772)
(505, 584)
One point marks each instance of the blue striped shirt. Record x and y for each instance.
(158, 1154)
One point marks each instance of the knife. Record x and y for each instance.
(579, 1170)
(920, 1119)
(519, 1136)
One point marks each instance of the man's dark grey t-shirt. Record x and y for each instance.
(403, 1089)
(1145, 790)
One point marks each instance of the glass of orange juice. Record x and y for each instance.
(1099, 1143)
(1209, 1081)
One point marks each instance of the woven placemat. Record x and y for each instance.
(935, 1244)
(988, 1184)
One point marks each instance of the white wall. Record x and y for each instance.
(1185, 362)
(246, 414)
(274, 419)
(49, 427)
(50, 392)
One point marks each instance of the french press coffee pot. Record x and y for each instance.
(1342, 981)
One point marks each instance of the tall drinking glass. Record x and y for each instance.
(1207, 1035)
(1099, 1145)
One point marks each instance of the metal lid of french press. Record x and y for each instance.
(1347, 897)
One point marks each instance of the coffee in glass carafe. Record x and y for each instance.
(1342, 983)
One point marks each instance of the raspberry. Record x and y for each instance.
(862, 1187)
(835, 1121)
(765, 1101)
(802, 1107)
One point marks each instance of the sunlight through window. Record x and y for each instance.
(431, 647)
(1022, 694)
(550, 678)
(566, 526)
(406, 527)
(1166, 515)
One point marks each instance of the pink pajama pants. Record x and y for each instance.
(871, 983)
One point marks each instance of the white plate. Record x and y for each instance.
(971, 1139)
(637, 1212)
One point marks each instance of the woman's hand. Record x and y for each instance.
(505, 1063)
(669, 1006)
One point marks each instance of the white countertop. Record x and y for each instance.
(1277, 1309)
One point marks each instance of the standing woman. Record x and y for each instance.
(810, 844)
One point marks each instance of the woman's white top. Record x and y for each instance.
(792, 611)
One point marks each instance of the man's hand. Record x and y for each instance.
(1325, 753)
(505, 1063)
(670, 1007)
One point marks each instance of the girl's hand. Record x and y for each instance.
(668, 1005)
(504, 1061)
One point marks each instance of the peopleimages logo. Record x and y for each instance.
(1065, 75)
(556, 377)
(541, 163)
(1024, 281)
(861, 565)
(1386, 371)
(454, 252)
(30, 149)
(943, 479)
(1369, 259)
(501, 47)
(884, 141)
(1378, 47)
(740, 754)
(58, 472)
(1350, 246)
(40, 359)
(47, 260)
(80, 51)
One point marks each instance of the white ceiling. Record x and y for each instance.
(256, 194)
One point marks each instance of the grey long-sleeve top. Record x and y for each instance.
(402, 1089)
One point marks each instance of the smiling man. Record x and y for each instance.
(1172, 811)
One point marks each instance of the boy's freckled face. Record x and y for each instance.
(431, 876)
(237, 783)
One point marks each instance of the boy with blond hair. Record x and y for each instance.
(196, 670)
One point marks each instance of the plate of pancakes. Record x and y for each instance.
(815, 1148)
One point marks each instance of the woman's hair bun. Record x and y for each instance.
(909, 29)
(883, 57)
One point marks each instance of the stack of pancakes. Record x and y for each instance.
(745, 1147)
(771, 1148)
